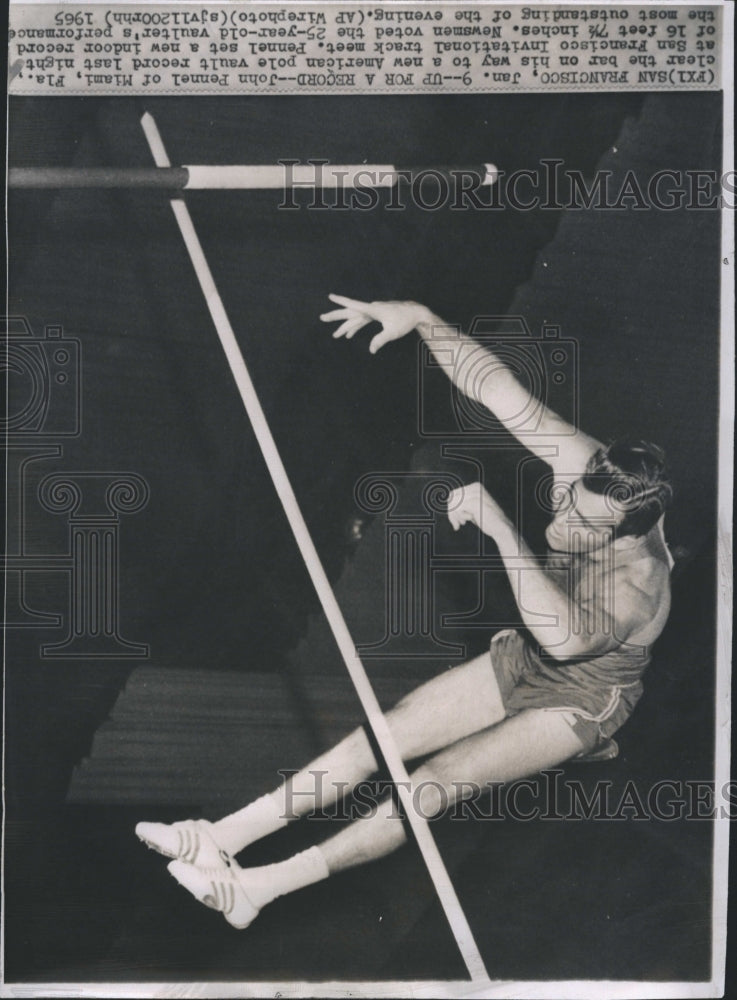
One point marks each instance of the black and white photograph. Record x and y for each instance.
(368, 523)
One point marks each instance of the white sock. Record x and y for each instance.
(263, 885)
(249, 824)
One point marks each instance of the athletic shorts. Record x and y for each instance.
(595, 707)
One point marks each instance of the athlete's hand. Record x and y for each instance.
(397, 318)
(475, 504)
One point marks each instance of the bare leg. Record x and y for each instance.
(457, 703)
(451, 706)
(517, 747)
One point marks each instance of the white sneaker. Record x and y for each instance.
(218, 888)
(190, 840)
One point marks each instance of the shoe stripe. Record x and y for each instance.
(224, 898)
(192, 843)
(195, 849)
(187, 844)
(211, 900)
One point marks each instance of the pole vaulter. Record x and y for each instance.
(374, 715)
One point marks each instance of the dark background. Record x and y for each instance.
(211, 578)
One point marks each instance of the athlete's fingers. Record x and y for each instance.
(349, 328)
(379, 340)
(335, 314)
(342, 329)
(461, 515)
(351, 303)
(355, 326)
(455, 499)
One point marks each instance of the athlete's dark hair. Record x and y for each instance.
(632, 476)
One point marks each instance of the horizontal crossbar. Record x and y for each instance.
(288, 174)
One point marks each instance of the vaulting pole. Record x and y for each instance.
(433, 860)
(278, 176)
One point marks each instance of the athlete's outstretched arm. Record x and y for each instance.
(477, 372)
